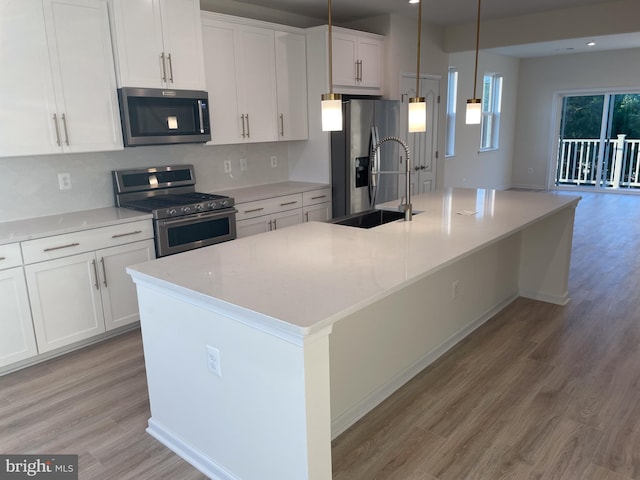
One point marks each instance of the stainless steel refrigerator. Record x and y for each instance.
(364, 121)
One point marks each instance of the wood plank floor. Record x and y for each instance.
(539, 392)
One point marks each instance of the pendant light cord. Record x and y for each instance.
(418, 62)
(475, 75)
(330, 52)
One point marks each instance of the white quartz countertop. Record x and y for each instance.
(270, 190)
(303, 278)
(39, 227)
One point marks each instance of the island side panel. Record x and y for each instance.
(266, 416)
(546, 256)
(379, 348)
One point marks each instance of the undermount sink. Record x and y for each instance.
(369, 218)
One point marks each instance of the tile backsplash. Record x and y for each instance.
(29, 185)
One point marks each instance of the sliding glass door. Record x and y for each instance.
(599, 142)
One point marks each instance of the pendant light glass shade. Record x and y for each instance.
(331, 106)
(474, 111)
(417, 115)
(331, 112)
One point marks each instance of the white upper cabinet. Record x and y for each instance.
(256, 80)
(58, 84)
(158, 43)
(357, 59)
(291, 84)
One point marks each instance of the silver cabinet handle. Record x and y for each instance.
(282, 125)
(55, 122)
(254, 210)
(270, 225)
(288, 203)
(118, 235)
(275, 226)
(306, 216)
(66, 132)
(248, 131)
(164, 67)
(318, 197)
(170, 68)
(51, 249)
(95, 270)
(104, 271)
(243, 130)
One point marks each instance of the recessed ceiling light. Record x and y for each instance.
(591, 44)
(414, 1)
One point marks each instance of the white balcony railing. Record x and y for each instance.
(578, 162)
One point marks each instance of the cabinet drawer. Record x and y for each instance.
(59, 246)
(316, 196)
(268, 206)
(10, 256)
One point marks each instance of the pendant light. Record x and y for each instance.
(474, 105)
(331, 102)
(417, 104)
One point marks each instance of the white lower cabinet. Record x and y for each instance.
(74, 298)
(17, 340)
(77, 283)
(274, 213)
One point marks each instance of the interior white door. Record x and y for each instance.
(423, 146)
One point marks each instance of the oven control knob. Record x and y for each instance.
(212, 205)
(171, 212)
(225, 203)
(198, 207)
(186, 209)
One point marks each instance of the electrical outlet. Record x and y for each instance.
(64, 181)
(243, 164)
(227, 166)
(455, 289)
(274, 161)
(530, 171)
(213, 360)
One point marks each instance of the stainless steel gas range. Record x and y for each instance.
(183, 219)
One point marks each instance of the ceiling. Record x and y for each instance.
(458, 12)
(440, 12)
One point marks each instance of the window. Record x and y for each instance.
(491, 105)
(452, 95)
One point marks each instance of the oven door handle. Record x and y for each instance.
(198, 217)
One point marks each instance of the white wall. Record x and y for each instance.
(541, 79)
(29, 185)
(469, 167)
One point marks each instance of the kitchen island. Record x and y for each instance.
(261, 350)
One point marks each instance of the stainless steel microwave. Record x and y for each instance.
(154, 116)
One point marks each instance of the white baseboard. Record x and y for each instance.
(196, 458)
(543, 297)
(340, 424)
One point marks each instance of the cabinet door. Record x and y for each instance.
(286, 219)
(119, 296)
(138, 38)
(27, 102)
(257, 86)
(17, 341)
(65, 300)
(182, 31)
(318, 213)
(370, 55)
(222, 81)
(344, 59)
(83, 74)
(253, 226)
(291, 84)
